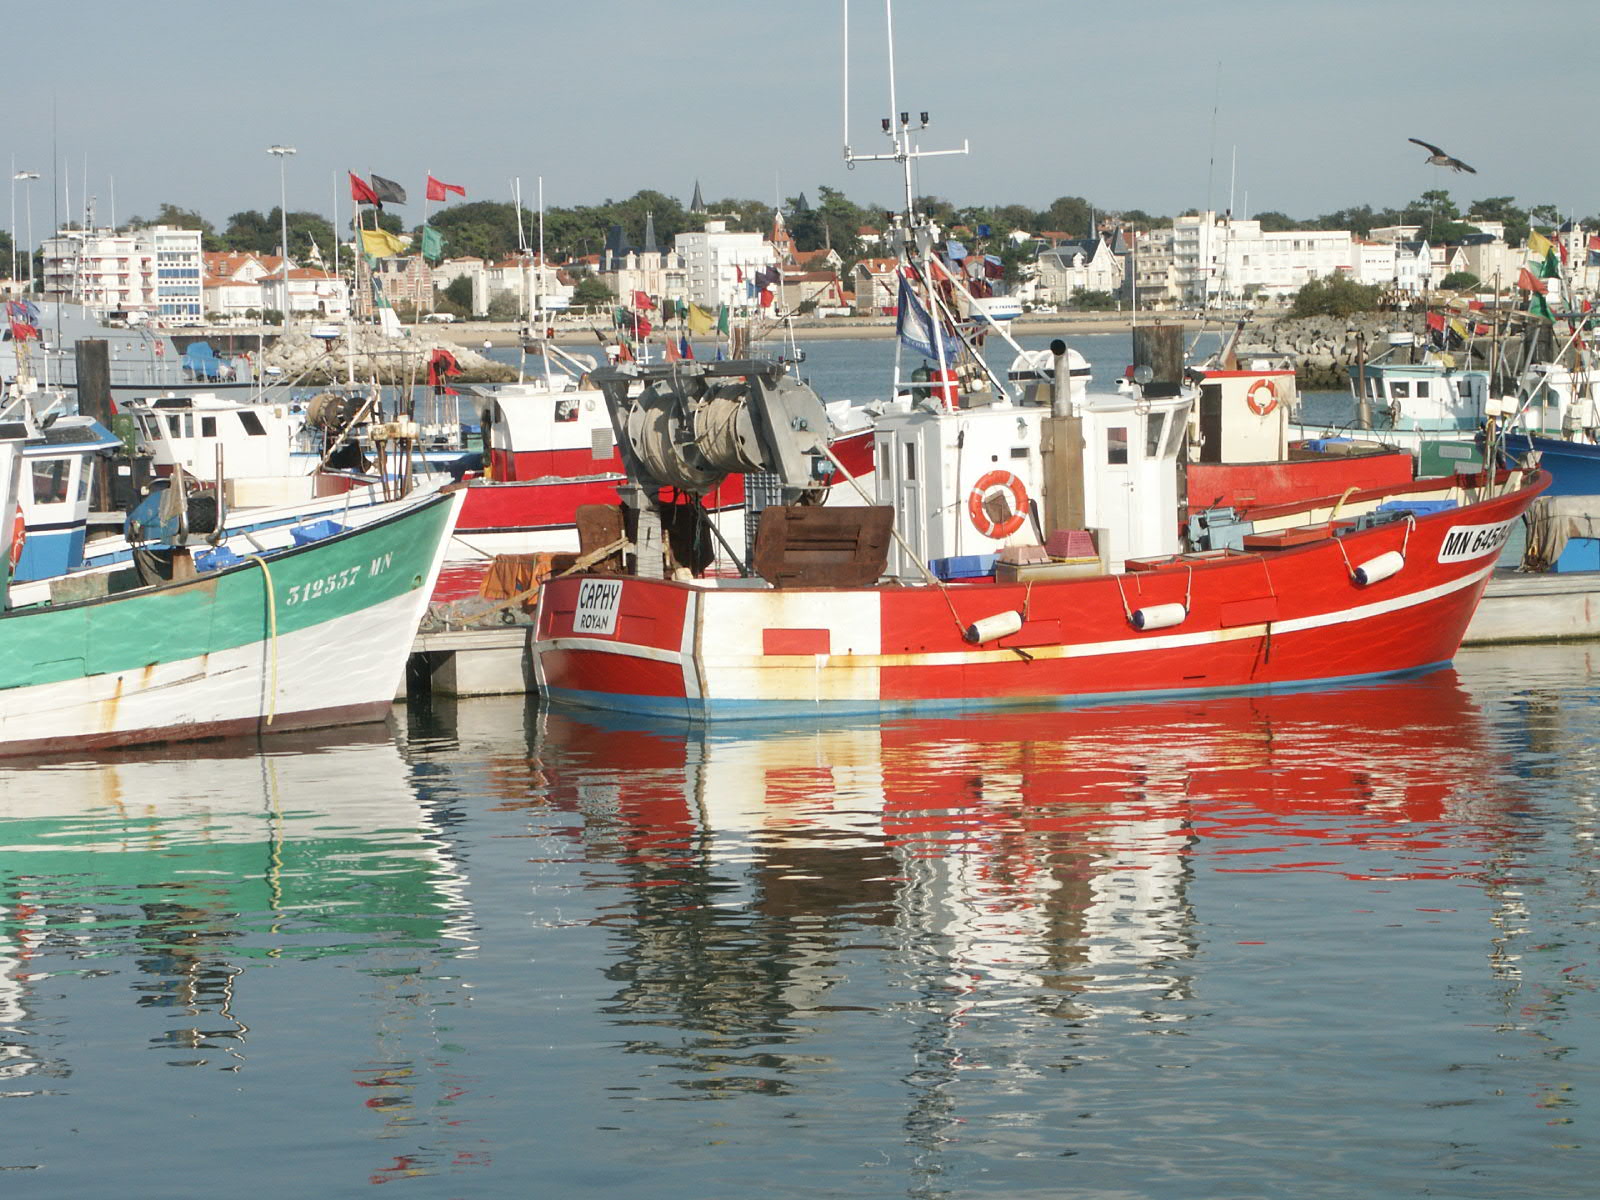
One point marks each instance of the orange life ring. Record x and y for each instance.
(19, 535)
(1262, 407)
(990, 488)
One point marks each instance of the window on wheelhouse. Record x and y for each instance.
(252, 424)
(1154, 423)
(1117, 445)
(50, 480)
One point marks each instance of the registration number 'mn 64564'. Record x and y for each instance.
(1464, 542)
(598, 601)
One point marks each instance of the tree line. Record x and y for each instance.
(495, 230)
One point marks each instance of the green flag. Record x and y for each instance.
(1550, 268)
(432, 244)
(722, 319)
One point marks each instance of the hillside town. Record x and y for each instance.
(1203, 260)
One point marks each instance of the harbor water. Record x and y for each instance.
(1336, 943)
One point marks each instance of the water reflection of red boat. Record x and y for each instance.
(1265, 775)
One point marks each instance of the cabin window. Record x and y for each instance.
(208, 427)
(1153, 425)
(1117, 445)
(1177, 431)
(566, 410)
(50, 481)
(911, 460)
(252, 424)
(85, 478)
(1422, 389)
(172, 427)
(188, 425)
(1400, 389)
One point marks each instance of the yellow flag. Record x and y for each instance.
(1538, 244)
(1457, 327)
(701, 320)
(380, 243)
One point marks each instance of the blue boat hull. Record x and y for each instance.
(1574, 466)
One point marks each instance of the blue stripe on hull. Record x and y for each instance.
(761, 710)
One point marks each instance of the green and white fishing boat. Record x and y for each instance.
(305, 637)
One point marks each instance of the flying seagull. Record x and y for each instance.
(1439, 158)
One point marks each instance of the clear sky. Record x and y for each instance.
(1146, 104)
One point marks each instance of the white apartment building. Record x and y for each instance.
(157, 270)
(1215, 261)
(718, 263)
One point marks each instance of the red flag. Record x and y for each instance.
(1475, 305)
(641, 327)
(685, 350)
(1561, 247)
(1436, 321)
(1594, 243)
(440, 365)
(672, 351)
(738, 274)
(437, 190)
(623, 353)
(361, 193)
(641, 300)
(1527, 283)
(1481, 331)
(766, 297)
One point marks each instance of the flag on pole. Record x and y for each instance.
(672, 351)
(916, 328)
(1529, 282)
(388, 191)
(361, 193)
(1538, 244)
(432, 244)
(685, 350)
(437, 190)
(642, 300)
(701, 320)
(24, 318)
(380, 243)
(722, 319)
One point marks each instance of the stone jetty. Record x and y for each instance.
(1323, 349)
(393, 361)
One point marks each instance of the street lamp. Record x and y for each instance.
(282, 153)
(25, 176)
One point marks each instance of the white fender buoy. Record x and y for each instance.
(990, 628)
(1159, 616)
(1386, 564)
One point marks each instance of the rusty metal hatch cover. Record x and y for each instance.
(807, 546)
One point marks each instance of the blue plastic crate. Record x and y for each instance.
(964, 566)
(216, 560)
(1422, 508)
(314, 531)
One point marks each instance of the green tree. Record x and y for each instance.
(1459, 281)
(1334, 296)
(1093, 301)
(181, 218)
(832, 221)
(458, 293)
(1276, 222)
(1068, 214)
(591, 291)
